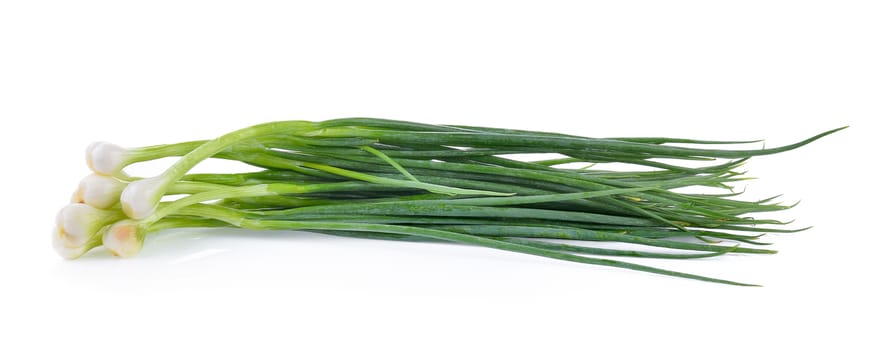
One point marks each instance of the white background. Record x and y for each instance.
(140, 73)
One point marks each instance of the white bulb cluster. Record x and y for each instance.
(96, 215)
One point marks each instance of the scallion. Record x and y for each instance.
(388, 179)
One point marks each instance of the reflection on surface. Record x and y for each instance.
(188, 244)
(198, 255)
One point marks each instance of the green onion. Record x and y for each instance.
(398, 180)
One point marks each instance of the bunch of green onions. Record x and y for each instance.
(387, 179)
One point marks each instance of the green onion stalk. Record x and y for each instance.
(398, 180)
